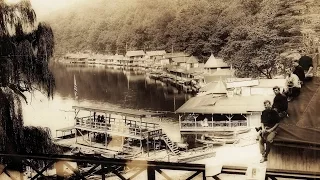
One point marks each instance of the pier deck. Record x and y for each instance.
(126, 123)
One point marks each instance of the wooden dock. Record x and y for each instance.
(98, 124)
(64, 131)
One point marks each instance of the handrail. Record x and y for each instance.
(110, 161)
(153, 166)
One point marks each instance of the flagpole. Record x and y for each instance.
(75, 88)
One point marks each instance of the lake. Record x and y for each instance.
(102, 87)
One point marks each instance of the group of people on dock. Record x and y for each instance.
(98, 118)
(301, 72)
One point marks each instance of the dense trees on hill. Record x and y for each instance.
(247, 33)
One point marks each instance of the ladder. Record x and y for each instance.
(173, 148)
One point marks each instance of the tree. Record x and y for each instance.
(25, 50)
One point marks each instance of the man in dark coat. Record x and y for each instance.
(298, 70)
(307, 65)
(280, 103)
(269, 122)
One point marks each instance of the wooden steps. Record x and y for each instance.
(173, 148)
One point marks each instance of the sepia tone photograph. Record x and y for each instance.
(159, 89)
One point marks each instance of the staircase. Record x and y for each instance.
(173, 148)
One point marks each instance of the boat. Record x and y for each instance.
(226, 140)
(210, 142)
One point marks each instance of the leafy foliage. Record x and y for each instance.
(25, 50)
(251, 34)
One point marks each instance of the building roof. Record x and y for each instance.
(270, 83)
(179, 54)
(118, 57)
(156, 53)
(213, 62)
(107, 57)
(192, 60)
(135, 53)
(126, 112)
(303, 124)
(78, 56)
(185, 59)
(208, 104)
(215, 88)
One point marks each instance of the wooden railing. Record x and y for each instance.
(124, 126)
(210, 124)
(102, 168)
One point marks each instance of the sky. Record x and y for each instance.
(44, 8)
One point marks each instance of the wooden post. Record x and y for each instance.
(76, 134)
(148, 145)
(212, 119)
(106, 139)
(141, 135)
(154, 146)
(180, 121)
(151, 173)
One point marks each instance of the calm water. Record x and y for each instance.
(102, 87)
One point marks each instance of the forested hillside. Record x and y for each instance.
(250, 34)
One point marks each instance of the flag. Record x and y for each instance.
(75, 88)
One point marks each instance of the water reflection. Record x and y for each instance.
(124, 88)
(102, 87)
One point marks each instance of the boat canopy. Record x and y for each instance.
(125, 112)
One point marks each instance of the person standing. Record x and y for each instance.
(280, 103)
(269, 123)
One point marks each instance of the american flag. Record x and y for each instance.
(75, 88)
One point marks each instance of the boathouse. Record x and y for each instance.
(118, 59)
(155, 55)
(135, 58)
(297, 144)
(227, 105)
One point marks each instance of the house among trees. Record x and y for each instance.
(79, 58)
(118, 59)
(156, 59)
(214, 64)
(155, 55)
(216, 69)
(135, 58)
(185, 62)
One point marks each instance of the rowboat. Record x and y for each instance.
(210, 142)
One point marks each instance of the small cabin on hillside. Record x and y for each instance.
(214, 64)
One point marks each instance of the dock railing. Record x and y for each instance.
(124, 126)
(212, 124)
